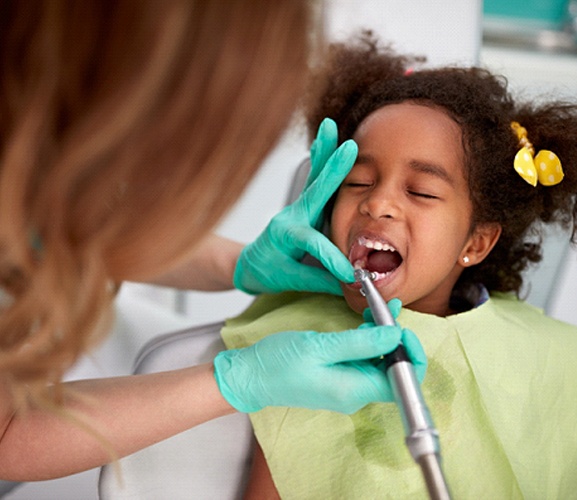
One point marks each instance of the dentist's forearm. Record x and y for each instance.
(130, 413)
(209, 268)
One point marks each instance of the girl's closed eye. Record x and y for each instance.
(360, 176)
(357, 183)
(354, 181)
(426, 189)
(422, 194)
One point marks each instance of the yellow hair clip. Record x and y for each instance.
(545, 167)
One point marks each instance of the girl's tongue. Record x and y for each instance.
(383, 262)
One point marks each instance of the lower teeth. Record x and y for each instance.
(374, 274)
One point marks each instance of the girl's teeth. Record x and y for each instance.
(378, 276)
(375, 245)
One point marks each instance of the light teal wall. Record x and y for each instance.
(548, 11)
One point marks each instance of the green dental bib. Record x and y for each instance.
(501, 387)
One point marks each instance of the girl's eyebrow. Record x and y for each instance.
(432, 169)
(419, 166)
(365, 158)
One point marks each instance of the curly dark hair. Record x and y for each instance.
(362, 76)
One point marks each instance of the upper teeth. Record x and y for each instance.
(376, 245)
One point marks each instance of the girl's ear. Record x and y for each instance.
(480, 243)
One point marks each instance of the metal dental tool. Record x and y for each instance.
(421, 437)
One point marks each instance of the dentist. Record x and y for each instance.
(127, 129)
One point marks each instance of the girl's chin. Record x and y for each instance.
(358, 303)
(355, 300)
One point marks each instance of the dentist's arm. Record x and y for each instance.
(210, 266)
(128, 413)
(303, 369)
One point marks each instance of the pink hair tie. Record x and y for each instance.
(409, 71)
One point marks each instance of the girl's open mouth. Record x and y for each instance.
(375, 255)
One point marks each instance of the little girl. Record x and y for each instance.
(453, 183)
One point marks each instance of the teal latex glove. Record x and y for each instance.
(328, 371)
(409, 340)
(272, 262)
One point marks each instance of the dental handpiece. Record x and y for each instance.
(421, 436)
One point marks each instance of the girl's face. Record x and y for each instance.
(404, 209)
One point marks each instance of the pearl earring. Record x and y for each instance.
(466, 259)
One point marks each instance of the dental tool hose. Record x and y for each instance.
(421, 437)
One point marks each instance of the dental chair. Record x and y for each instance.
(209, 461)
(212, 460)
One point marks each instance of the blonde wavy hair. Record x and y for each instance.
(127, 129)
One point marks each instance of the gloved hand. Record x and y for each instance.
(329, 371)
(272, 262)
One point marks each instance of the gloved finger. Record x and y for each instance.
(369, 322)
(373, 382)
(416, 353)
(316, 196)
(324, 250)
(353, 345)
(368, 316)
(322, 148)
(394, 305)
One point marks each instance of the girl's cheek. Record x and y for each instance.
(336, 227)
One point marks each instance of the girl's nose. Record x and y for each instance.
(380, 203)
